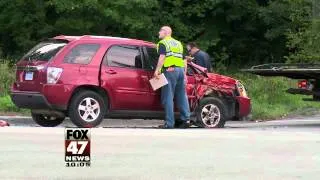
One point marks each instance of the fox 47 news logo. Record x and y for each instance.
(77, 147)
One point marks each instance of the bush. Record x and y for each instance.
(7, 77)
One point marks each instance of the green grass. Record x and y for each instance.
(7, 76)
(7, 107)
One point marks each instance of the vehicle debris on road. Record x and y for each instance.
(4, 123)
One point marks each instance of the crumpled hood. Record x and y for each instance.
(221, 83)
(213, 77)
(218, 83)
(221, 79)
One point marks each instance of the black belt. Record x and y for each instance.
(171, 67)
(165, 68)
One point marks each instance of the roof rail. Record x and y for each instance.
(103, 37)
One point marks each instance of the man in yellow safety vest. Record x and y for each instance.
(172, 64)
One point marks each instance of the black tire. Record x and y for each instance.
(75, 113)
(46, 121)
(218, 106)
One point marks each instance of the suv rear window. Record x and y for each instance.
(44, 51)
(81, 54)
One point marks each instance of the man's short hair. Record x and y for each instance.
(192, 45)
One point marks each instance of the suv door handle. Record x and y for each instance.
(110, 71)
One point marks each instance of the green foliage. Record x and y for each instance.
(235, 33)
(303, 40)
(7, 105)
(7, 76)
(305, 44)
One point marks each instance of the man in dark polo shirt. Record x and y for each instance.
(201, 58)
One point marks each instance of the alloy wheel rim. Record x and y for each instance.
(210, 115)
(89, 109)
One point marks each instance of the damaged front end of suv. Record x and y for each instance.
(216, 99)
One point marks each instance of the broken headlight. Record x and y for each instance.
(241, 90)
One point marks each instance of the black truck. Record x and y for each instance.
(307, 74)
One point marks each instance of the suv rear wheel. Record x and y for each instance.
(87, 109)
(211, 113)
(46, 121)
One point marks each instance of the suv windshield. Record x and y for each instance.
(44, 51)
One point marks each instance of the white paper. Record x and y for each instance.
(158, 83)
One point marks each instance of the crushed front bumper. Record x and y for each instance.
(244, 106)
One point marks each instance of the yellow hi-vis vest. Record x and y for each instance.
(174, 51)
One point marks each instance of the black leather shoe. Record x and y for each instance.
(178, 123)
(164, 127)
(184, 125)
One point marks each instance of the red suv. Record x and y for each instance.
(88, 78)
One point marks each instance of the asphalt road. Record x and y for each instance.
(134, 149)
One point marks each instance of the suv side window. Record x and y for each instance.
(123, 56)
(152, 60)
(81, 54)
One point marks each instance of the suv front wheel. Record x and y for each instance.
(87, 109)
(211, 113)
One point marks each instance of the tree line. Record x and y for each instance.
(234, 32)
